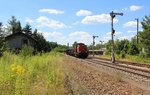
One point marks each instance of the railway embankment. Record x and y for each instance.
(87, 79)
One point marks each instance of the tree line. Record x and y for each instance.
(14, 26)
(131, 47)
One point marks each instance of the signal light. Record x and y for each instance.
(113, 32)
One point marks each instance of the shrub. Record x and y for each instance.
(122, 54)
(26, 51)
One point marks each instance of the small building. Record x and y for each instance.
(18, 39)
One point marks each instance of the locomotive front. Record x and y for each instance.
(81, 50)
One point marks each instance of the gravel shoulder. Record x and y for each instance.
(83, 79)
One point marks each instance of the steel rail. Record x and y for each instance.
(121, 67)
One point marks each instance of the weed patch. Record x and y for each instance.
(31, 75)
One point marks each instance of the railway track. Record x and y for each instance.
(126, 62)
(145, 73)
(132, 74)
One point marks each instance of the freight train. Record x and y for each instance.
(79, 50)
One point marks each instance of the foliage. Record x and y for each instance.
(122, 45)
(26, 51)
(53, 45)
(18, 26)
(27, 29)
(74, 44)
(133, 49)
(61, 48)
(122, 54)
(90, 47)
(34, 75)
(97, 46)
(42, 45)
(108, 48)
(2, 41)
(145, 35)
(131, 58)
(14, 25)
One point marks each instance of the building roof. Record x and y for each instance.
(20, 33)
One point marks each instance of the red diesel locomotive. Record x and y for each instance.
(79, 50)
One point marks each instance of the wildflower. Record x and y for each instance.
(20, 70)
(13, 65)
(17, 69)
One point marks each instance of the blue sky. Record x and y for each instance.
(64, 21)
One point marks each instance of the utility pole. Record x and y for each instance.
(112, 14)
(94, 43)
(137, 20)
(68, 45)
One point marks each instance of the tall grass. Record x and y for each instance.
(31, 75)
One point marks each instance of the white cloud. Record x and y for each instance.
(55, 37)
(124, 9)
(76, 23)
(135, 8)
(51, 11)
(123, 37)
(130, 24)
(131, 31)
(46, 22)
(28, 20)
(4, 26)
(106, 38)
(50, 34)
(103, 18)
(80, 36)
(133, 36)
(83, 13)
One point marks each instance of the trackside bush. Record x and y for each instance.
(123, 55)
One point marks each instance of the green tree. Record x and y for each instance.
(98, 46)
(42, 45)
(18, 27)
(108, 47)
(74, 44)
(27, 29)
(14, 25)
(90, 47)
(121, 46)
(145, 35)
(53, 45)
(2, 40)
(133, 49)
(61, 48)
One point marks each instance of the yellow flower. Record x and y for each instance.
(20, 70)
(17, 69)
(13, 65)
(13, 69)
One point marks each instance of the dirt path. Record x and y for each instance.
(86, 80)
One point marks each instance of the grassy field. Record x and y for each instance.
(129, 58)
(31, 75)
